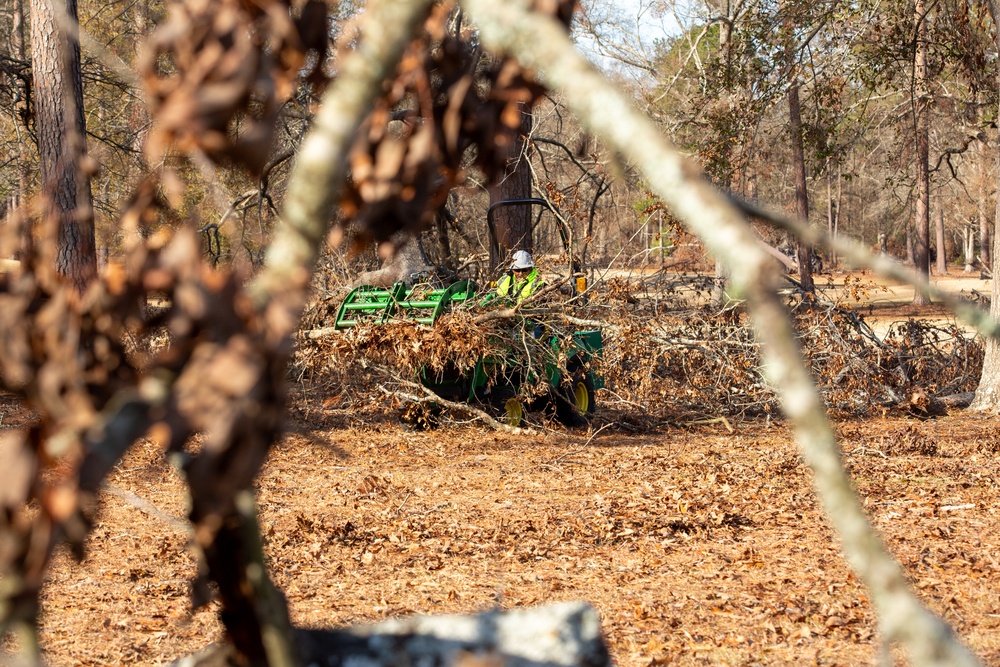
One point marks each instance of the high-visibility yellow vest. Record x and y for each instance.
(519, 289)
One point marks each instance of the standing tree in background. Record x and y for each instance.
(804, 252)
(511, 228)
(921, 135)
(64, 168)
(21, 105)
(988, 393)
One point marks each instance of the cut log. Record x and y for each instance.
(558, 635)
(962, 399)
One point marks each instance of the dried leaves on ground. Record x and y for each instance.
(697, 545)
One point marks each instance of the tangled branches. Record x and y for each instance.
(454, 342)
(676, 360)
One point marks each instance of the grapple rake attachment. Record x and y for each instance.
(420, 303)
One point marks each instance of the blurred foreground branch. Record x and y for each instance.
(512, 29)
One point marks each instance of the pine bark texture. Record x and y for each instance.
(985, 157)
(942, 255)
(988, 393)
(58, 101)
(512, 224)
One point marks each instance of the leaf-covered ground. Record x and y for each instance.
(696, 544)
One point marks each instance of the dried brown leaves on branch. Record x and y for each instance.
(705, 364)
(217, 61)
(447, 97)
(217, 72)
(75, 362)
(454, 342)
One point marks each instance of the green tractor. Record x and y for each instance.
(503, 381)
(538, 368)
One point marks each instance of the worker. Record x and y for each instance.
(522, 280)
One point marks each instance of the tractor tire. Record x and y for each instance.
(513, 412)
(575, 401)
(504, 404)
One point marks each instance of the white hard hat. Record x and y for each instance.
(522, 260)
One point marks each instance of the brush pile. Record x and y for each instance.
(668, 357)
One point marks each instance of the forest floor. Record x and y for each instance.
(697, 544)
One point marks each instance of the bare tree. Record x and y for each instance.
(801, 187)
(921, 134)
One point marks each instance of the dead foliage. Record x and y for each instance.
(212, 64)
(698, 546)
(447, 96)
(668, 357)
(217, 71)
(72, 360)
(455, 341)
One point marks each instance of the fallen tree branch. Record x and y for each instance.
(431, 397)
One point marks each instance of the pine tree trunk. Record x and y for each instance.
(58, 97)
(801, 192)
(921, 128)
(21, 108)
(968, 248)
(942, 258)
(512, 224)
(981, 205)
(988, 392)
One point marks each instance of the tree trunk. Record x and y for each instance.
(831, 213)
(988, 393)
(840, 208)
(801, 193)
(921, 129)
(981, 206)
(444, 241)
(138, 118)
(21, 108)
(512, 224)
(942, 258)
(969, 248)
(58, 98)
